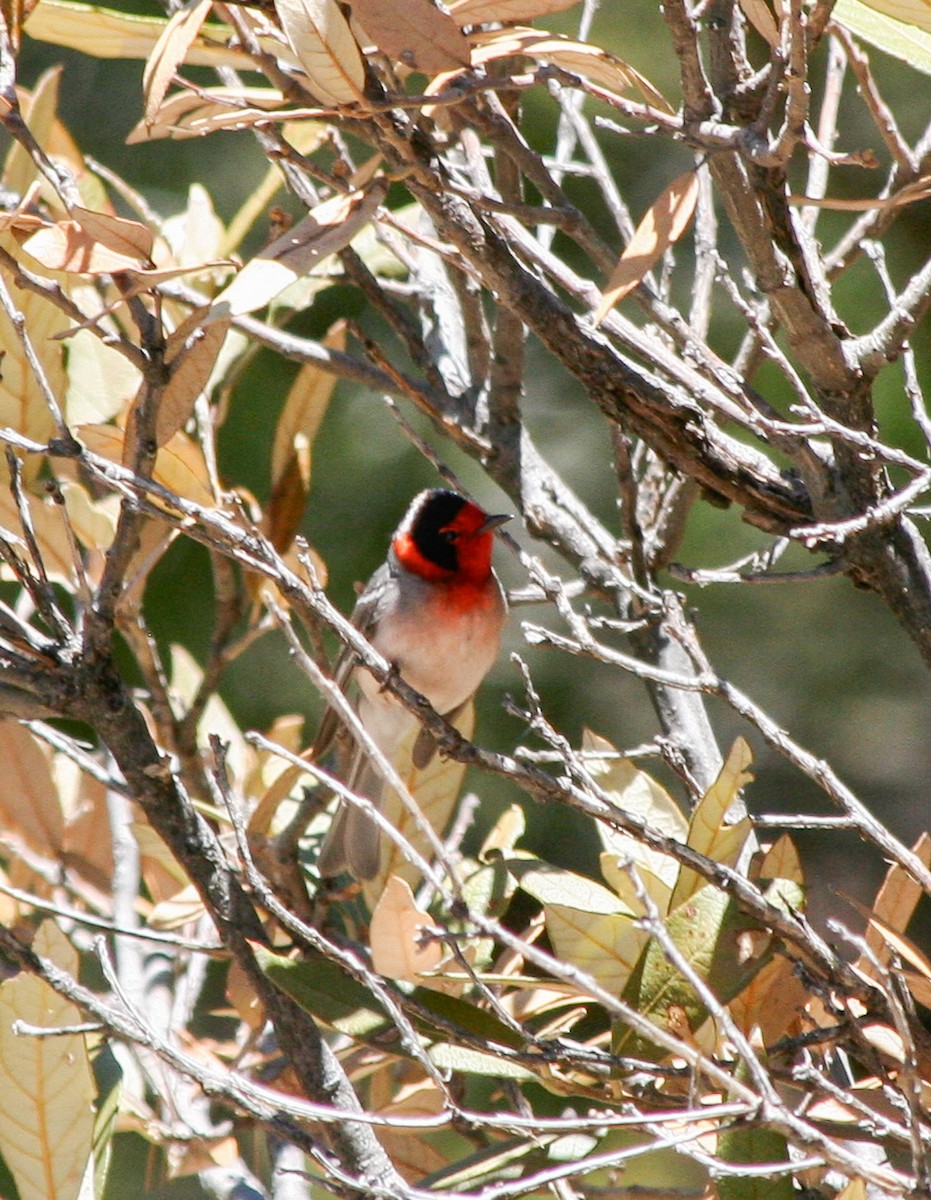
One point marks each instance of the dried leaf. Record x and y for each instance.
(414, 32)
(101, 380)
(67, 246)
(171, 48)
(50, 532)
(189, 114)
(190, 355)
(38, 109)
(130, 238)
(326, 229)
(29, 803)
(662, 226)
(179, 465)
(322, 40)
(895, 905)
(46, 1085)
(106, 33)
(395, 935)
(760, 16)
(589, 62)
(484, 12)
(22, 401)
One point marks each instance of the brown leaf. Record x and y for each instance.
(188, 114)
(664, 223)
(173, 44)
(414, 32)
(395, 935)
(895, 904)
(589, 62)
(760, 16)
(179, 465)
(483, 12)
(67, 246)
(306, 404)
(29, 804)
(129, 238)
(191, 353)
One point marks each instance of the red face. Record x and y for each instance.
(446, 538)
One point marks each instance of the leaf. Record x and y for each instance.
(67, 246)
(305, 405)
(707, 931)
(436, 789)
(906, 42)
(29, 803)
(589, 62)
(634, 792)
(179, 465)
(414, 32)
(51, 535)
(664, 223)
(322, 40)
(101, 381)
(395, 935)
(194, 114)
(587, 924)
(907, 12)
(752, 1146)
(760, 16)
(171, 48)
(475, 1062)
(484, 12)
(130, 238)
(190, 355)
(47, 1092)
(38, 111)
(895, 906)
(106, 33)
(327, 228)
(22, 401)
(708, 833)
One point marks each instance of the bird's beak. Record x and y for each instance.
(494, 521)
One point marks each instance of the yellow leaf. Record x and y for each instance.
(38, 110)
(101, 381)
(708, 833)
(305, 405)
(895, 905)
(179, 465)
(906, 40)
(51, 536)
(106, 33)
(322, 40)
(781, 861)
(46, 1086)
(395, 934)
(22, 402)
(664, 223)
(329, 227)
(760, 16)
(635, 792)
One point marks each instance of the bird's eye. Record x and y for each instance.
(449, 535)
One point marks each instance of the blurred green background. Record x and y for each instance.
(826, 661)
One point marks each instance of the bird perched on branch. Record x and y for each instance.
(435, 611)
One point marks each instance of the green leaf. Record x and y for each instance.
(706, 930)
(108, 1076)
(751, 1146)
(474, 1062)
(898, 38)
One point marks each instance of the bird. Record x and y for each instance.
(435, 610)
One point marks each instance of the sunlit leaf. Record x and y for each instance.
(194, 114)
(415, 32)
(179, 465)
(169, 51)
(396, 935)
(484, 12)
(760, 16)
(895, 905)
(322, 40)
(584, 59)
(47, 1092)
(709, 834)
(329, 227)
(664, 223)
(753, 1146)
(909, 42)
